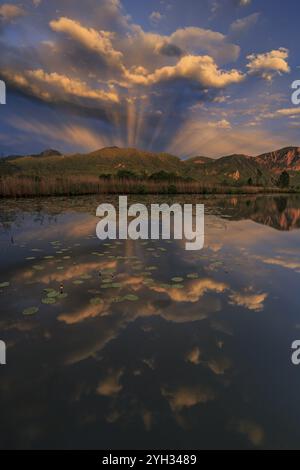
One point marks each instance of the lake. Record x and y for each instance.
(142, 344)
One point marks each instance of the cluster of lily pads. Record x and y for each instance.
(106, 277)
(51, 297)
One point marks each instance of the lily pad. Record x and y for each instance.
(49, 300)
(116, 300)
(131, 297)
(166, 286)
(96, 301)
(177, 279)
(193, 276)
(53, 294)
(4, 284)
(30, 311)
(38, 267)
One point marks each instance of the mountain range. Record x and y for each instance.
(261, 170)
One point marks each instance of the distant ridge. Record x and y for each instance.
(44, 153)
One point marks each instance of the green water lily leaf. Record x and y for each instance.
(116, 300)
(53, 294)
(30, 311)
(131, 297)
(85, 277)
(146, 274)
(77, 282)
(49, 290)
(49, 300)
(109, 271)
(116, 285)
(4, 284)
(177, 279)
(96, 301)
(38, 267)
(193, 276)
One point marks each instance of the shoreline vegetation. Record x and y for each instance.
(19, 186)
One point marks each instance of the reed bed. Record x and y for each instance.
(21, 186)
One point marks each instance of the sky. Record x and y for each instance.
(188, 77)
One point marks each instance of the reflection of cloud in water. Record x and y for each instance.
(188, 396)
(69, 273)
(110, 385)
(194, 356)
(83, 313)
(193, 290)
(282, 262)
(220, 365)
(147, 417)
(252, 431)
(78, 227)
(250, 301)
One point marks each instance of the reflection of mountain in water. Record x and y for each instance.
(279, 212)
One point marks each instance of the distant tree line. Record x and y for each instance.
(159, 176)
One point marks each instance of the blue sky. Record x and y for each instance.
(192, 77)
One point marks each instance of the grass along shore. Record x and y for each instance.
(19, 186)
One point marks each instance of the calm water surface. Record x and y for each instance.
(167, 348)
